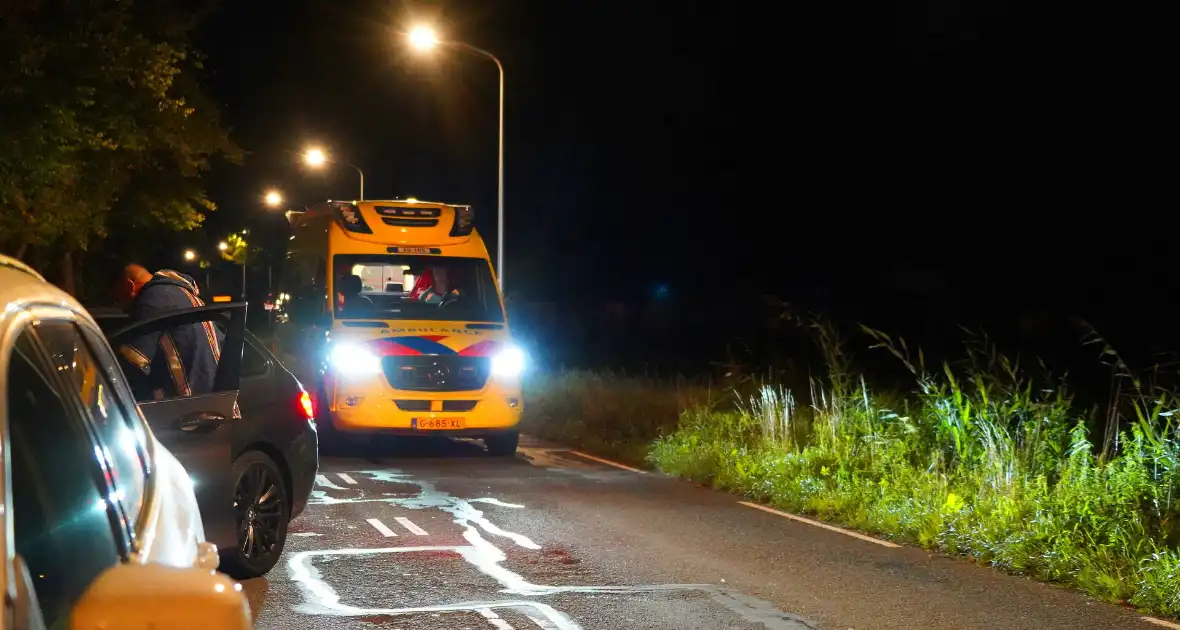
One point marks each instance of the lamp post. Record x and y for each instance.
(424, 39)
(316, 158)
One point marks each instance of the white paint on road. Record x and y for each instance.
(327, 483)
(495, 620)
(498, 502)
(484, 556)
(1161, 622)
(306, 534)
(608, 462)
(540, 622)
(408, 524)
(379, 526)
(833, 528)
(347, 478)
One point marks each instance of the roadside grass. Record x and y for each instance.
(984, 458)
(610, 414)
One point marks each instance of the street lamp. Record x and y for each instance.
(273, 198)
(190, 255)
(423, 39)
(316, 158)
(223, 246)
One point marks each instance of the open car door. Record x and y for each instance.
(198, 429)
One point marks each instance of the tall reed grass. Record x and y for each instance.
(986, 457)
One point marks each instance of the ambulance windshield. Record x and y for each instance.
(399, 286)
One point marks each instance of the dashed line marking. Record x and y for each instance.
(379, 526)
(408, 524)
(608, 462)
(347, 478)
(495, 620)
(542, 623)
(1161, 622)
(794, 517)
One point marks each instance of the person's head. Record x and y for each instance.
(130, 283)
(350, 285)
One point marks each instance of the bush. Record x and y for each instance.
(983, 459)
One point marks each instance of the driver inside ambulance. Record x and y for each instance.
(434, 286)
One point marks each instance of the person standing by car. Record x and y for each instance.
(179, 362)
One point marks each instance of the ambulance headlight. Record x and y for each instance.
(509, 362)
(350, 359)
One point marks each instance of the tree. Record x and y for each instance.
(103, 123)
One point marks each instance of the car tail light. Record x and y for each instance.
(307, 405)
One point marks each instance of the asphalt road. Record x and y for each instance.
(423, 534)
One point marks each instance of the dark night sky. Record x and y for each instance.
(933, 162)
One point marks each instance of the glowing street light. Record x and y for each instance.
(423, 39)
(316, 158)
(223, 246)
(190, 255)
(273, 198)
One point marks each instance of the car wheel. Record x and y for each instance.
(263, 511)
(502, 444)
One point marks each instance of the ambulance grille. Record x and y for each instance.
(429, 373)
(410, 222)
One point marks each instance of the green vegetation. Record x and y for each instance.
(986, 458)
(105, 126)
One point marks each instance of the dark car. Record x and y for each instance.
(275, 441)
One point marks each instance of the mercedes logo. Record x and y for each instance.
(438, 374)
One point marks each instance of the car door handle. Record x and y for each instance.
(200, 422)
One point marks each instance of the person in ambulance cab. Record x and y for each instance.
(178, 362)
(434, 286)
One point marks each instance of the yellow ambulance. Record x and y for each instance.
(396, 305)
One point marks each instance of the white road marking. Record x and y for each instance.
(608, 462)
(883, 543)
(379, 526)
(347, 479)
(327, 483)
(320, 598)
(1161, 622)
(408, 524)
(495, 620)
(306, 534)
(542, 623)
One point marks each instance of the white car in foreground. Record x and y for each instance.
(102, 527)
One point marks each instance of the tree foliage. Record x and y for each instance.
(103, 123)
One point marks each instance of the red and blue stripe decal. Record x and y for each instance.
(429, 345)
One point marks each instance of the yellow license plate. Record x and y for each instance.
(431, 424)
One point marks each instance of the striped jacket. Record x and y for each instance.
(177, 362)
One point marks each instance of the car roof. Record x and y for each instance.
(21, 286)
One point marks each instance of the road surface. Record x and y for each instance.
(404, 535)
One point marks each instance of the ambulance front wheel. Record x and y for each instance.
(502, 444)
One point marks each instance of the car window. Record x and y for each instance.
(254, 363)
(120, 431)
(171, 361)
(62, 523)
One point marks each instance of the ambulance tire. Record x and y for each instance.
(502, 444)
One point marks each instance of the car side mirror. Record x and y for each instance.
(145, 596)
